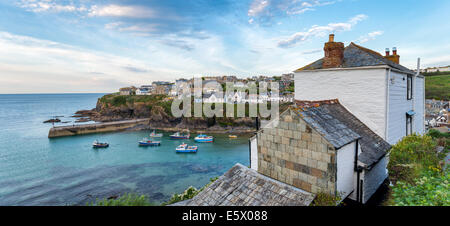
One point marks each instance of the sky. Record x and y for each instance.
(85, 46)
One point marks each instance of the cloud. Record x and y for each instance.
(320, 31)
(122, 11)
(257, 7)
(265, 10)
(369, 36)
(50, 6)
(312, 51)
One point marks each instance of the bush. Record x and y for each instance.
(124, 200)
(437, 134)
(119, 100)
(431, 189)
(410, 155)
(188, 193)
(323, 199)
(416, 171)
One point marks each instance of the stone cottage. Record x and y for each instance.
(320, 147)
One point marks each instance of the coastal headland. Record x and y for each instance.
(114, 112)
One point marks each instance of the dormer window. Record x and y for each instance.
(409, 93)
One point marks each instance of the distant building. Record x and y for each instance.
(125, 91)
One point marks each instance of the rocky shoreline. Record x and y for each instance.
(158, 118)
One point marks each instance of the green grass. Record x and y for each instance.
(437, 87)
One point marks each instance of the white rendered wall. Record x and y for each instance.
(254, 153)
(362, 92)
(345, 169)
(399, 105)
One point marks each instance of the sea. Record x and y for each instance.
(36, 170)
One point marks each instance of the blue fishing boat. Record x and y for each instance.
(184, 148)
(204, 138)
(146, 142)
(178, 135)
(97, 144)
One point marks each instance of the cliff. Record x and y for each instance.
(157, 108)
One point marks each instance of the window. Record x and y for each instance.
(408, 124)
(409, 87)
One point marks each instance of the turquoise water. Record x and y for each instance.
(35, 170)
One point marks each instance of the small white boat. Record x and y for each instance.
(178, 135)
(97, 144)
(146, 142)
(184, 148)
(154, 134)
(204, 138)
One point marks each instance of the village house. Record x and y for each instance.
(349, 107)
(385, 96)
(126, 91)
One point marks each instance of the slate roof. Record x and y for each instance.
(242, 186)
(340, 127)
(358, 56)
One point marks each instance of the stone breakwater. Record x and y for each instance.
(61, 131)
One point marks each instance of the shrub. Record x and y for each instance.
(430, 189)
(189, 193)
(124, 200)
(119, 100)
(437, 134)
(323, 199)
(410, 155)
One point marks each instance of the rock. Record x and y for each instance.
(52, 120)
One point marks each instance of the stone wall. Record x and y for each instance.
(296, 154)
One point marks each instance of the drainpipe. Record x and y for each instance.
(386, 124)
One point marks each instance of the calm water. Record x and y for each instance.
(35, 170)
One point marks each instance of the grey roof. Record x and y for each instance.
(242, 186)
(358, 56)
(325, 122)
(333, 120)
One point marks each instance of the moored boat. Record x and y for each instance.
(232, 136)
(97, 144)
(154, 134)
(178, 135)
(184, 148)
(146, 142)
(204, 138)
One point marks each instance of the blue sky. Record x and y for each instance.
(67, 46)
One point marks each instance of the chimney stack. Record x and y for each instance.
(334, 53)
(394, 57)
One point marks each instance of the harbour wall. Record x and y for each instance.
(63, 131)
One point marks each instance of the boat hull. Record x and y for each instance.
(179, 137)
(149, 144)
(100, 146)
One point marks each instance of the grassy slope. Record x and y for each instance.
(437, 87)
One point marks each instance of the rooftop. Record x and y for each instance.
(242, 186)
(358, 56)
(340, 127)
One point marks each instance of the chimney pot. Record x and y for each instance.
(334, 53)
(331, 38)
(388, 52)
(394, 51)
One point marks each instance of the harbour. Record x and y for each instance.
(69, 171)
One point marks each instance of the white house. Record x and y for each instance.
(384, 95)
